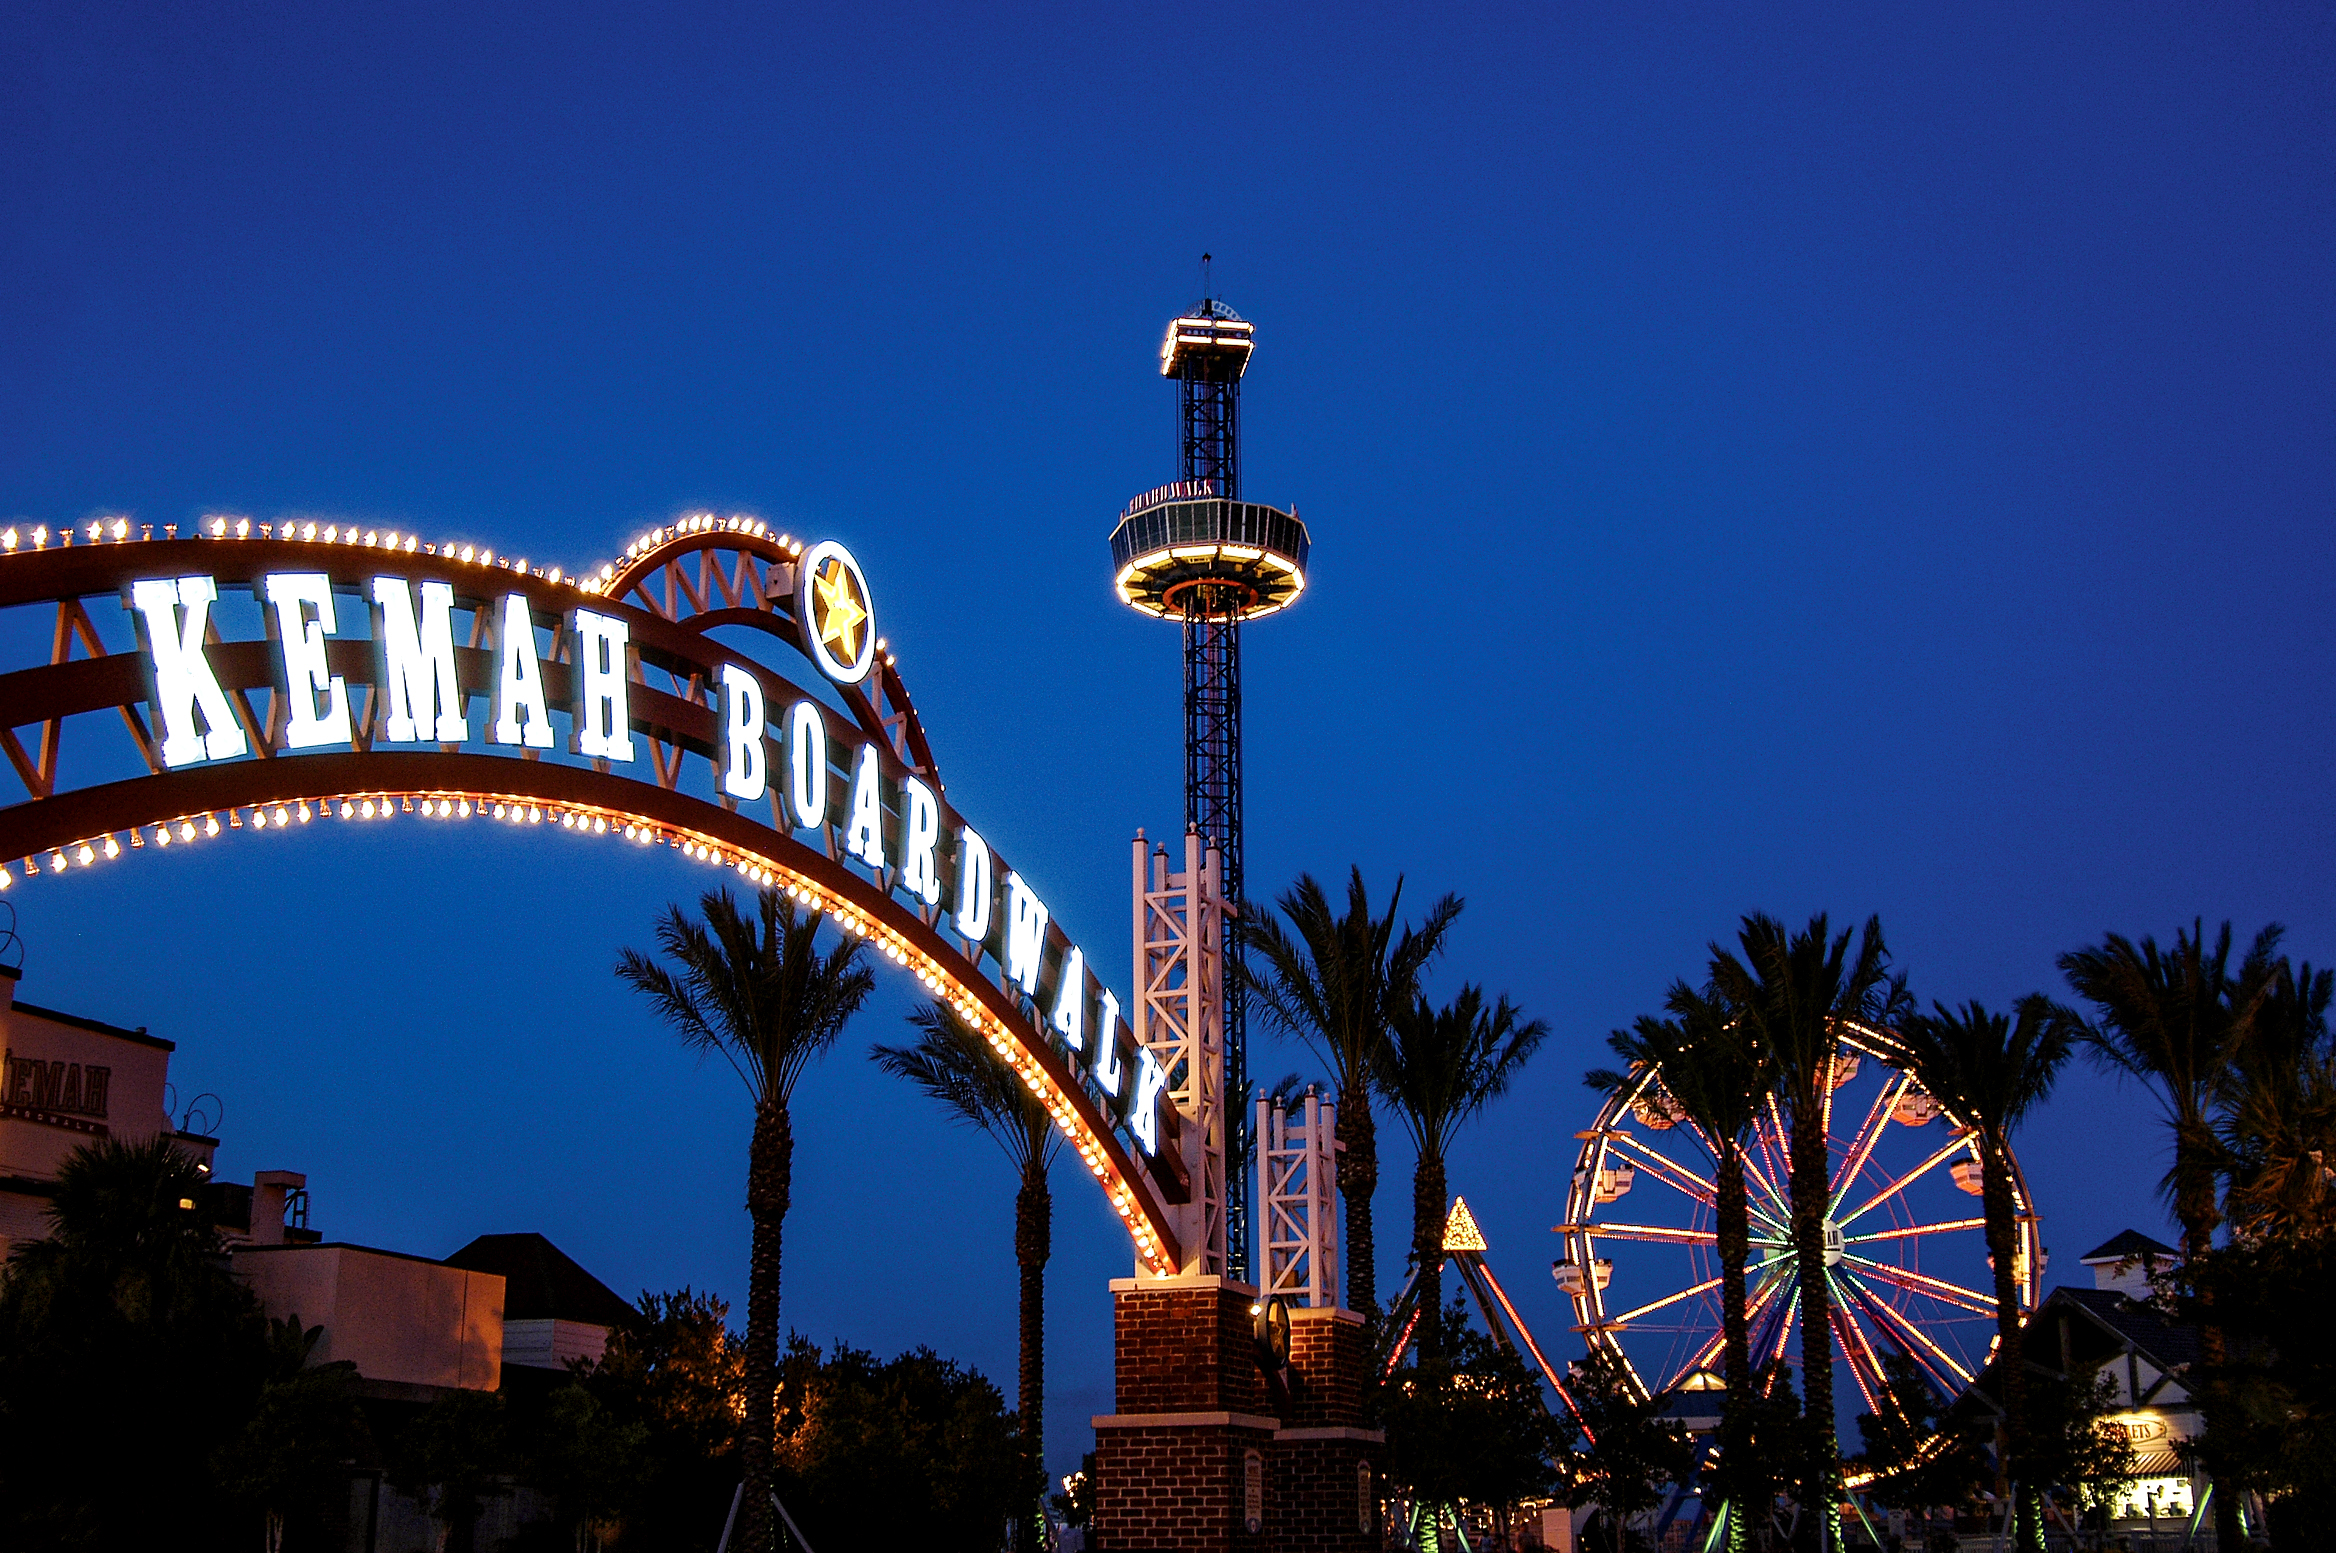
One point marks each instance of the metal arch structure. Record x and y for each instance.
(1889, 1207)
(706, 572)
(95, 786)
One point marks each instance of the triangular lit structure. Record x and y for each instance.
(1464, 1248)
(1460, 1231)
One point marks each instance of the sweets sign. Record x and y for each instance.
(396, 679)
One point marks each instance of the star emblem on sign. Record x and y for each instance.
(837, 616)
(840, 610)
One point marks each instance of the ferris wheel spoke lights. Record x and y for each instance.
(1669, 1171)
(1905, 1256)
(1941, 1367)
(1943, 1228)
(1616, 1323)
(1889, 1316)
(1862, 1148)
(1853, 1347)
(1696, 1237)
(1903, 1182)
(1936, 1288)
(1755, 1176)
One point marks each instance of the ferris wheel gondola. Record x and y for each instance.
(1905, 1247)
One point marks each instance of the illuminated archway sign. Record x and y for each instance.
(397, 680)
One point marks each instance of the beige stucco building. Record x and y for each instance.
(66, 1081)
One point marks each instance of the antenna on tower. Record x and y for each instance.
(1205, 292)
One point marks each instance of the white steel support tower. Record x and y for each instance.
(1180, 1020)
(1297, 1177)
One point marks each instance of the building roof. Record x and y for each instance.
(138, 1035)
(2125, 1245)
(540, 1281)
(2167, 1343)
(2110, 1323)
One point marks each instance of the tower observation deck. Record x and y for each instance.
(1196, 553)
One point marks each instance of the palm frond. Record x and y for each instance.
(1330, 979)
(954, 1064)
(756, 989)
(1443, 1065)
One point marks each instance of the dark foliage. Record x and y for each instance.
(1630, 1451)
(289, 1462)
(450, 1454)
(914, 1452)
(2277, 1431)
(128, 1355)
(678, 1375)
(1467, 1424)
(2069, 1447)
(1762, 1426)
(591, 1461)
(1950, 1473)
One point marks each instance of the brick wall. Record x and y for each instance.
(1177, 1489)
(1317, 1504)
(1186, 1349)
(1328, 1358)
(1168, 1481)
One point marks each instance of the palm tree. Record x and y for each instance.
(759, 991)
(1441, 1066)
(2176, 1021)
(1717, 1076)
(2278, 1111)
(953, 1063)
(1331, 981)
(1988, 1071)
(1792, 992)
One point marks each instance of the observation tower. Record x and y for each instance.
(1194, 552)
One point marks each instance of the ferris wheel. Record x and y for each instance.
(1905, 1253)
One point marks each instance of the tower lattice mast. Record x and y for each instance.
(1196, 553)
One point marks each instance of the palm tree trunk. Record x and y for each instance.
(1735, 1249)
(1427, 1248)
(2194, 1205)
(769, 1182)
(1358, 1178)
(1995, 1186)
(1033, 1243)
(1821, 1453)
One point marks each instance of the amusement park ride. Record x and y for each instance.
(1906, 1254)
(1196, 553)
(244, 678)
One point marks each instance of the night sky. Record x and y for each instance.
(1795, 461)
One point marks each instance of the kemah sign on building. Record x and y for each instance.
(284, 673)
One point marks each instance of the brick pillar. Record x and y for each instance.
(1327, 1467)
(1173, 1469)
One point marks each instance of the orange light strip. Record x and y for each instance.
(585, 819)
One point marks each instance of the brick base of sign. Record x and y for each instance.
(1207, 1453)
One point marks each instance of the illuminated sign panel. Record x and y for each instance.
(586, 664)
(839, 628)
(172, 616)
(417, 663)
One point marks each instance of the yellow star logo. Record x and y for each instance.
(840, 611)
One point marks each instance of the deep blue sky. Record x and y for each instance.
(1799, 460)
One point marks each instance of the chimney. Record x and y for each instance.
(269, 1189)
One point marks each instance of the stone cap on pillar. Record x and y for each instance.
(1150, 1285)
